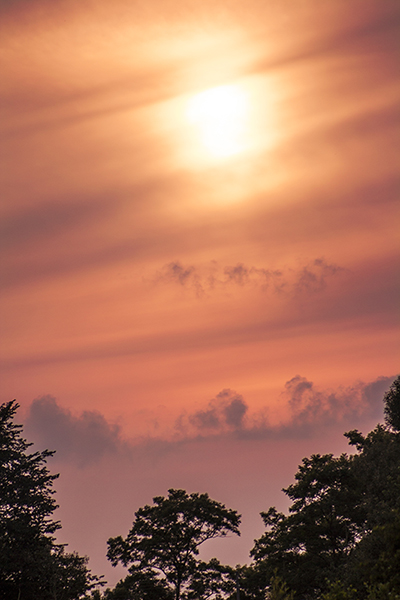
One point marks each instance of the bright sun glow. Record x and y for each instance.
(220, 114)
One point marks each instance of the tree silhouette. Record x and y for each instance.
(163, 542)
(32, 565)
(316, 538)
(344, 522)
(392, 405)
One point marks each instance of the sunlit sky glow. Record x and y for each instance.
(199, 245)
(220, 116)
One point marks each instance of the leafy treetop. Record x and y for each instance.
(32, 565)
(165, 538)
(392, 405)
(345, 515)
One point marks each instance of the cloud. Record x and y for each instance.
(307, 409)
(226, 412)
(312, 277)
(311, 407)
(187, 276)
(204, 279)
(81, 439)
(88, 438)
(235, 411)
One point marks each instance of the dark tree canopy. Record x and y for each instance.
(212, 581)
(139, 586)
(392, 405)
(322, 528)
(341, 539)
(32, 565)
(164, 540)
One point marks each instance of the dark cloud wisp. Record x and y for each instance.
(310, 278)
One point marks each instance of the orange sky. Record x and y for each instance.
(177, 302)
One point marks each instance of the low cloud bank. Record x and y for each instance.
(349, 407)
(307, 408)
(87, 438)
(83, 439)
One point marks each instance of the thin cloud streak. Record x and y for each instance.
(359, 304)
(310, 278)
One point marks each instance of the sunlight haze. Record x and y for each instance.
(220, 115)
(199, 244)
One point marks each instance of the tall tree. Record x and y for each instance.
(345, 511)
(315, 539)
(164, 540)
(392, 405)
(32, 565)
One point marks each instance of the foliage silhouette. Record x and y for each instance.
(392, 405)
(340, 540)
(32, 565)
(343, 525)
(212, 581)
(163, 542)
(278, 590)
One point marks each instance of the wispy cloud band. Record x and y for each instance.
(311, 277)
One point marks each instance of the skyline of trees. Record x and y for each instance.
(339, 541)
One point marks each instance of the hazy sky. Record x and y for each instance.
(199, 234)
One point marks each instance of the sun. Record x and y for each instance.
(220, 115)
